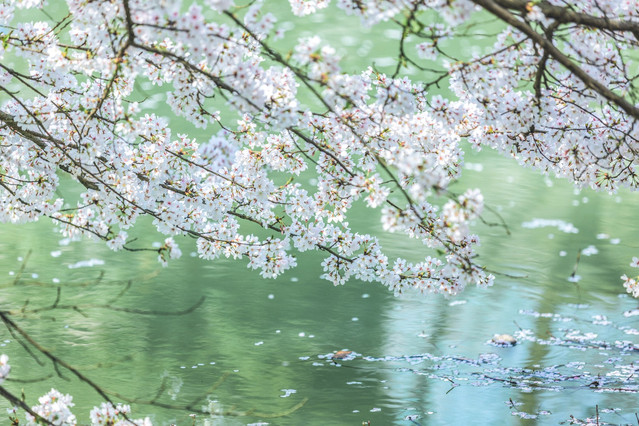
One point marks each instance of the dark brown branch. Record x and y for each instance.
(493, 7)
(566, 15)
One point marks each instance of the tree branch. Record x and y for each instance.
(493, 7)
(566, 15)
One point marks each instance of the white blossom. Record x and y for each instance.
(382, 140)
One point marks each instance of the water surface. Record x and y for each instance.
(257, 351)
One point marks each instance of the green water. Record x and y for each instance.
(259, 350)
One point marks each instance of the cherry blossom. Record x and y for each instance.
(305, 7)
(290, 142)
(55, 407)
(107, 414)
(553, 92)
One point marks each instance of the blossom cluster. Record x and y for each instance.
(632, 284)
(76, 111)
(107, 414)
(54, 407)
